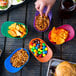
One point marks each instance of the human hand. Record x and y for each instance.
(40, 4)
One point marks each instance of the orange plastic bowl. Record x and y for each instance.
(48, 55)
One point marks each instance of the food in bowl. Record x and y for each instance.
(17, 30)
(3, 4)
(65, 69)
(42, 22)
(58, 35)
(38, 48)
(19, 58)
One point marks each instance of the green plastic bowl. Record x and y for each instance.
(4, 29)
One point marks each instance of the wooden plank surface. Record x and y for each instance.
(3, 18)
(33, 67)
(56, 21)
(25, 14)
(17, 15)
(69, 48)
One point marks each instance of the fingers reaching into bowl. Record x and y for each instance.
(41, 4)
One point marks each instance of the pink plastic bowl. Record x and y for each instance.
(68, 28)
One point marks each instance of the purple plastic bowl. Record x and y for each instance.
(49, 15)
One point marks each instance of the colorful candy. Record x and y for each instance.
(36, 48)
(43, 44)
(32, 50)
(44, 55)
(35, 54)
(40, 55)
(39, 48)
(46, 49)
(30, 46)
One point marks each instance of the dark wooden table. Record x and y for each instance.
(25, 14)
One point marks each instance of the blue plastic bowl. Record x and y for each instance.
(9, 66)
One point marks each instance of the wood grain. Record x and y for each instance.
(26, 14)
(56, 21)
(33, 66)
(68, 49)
(12, 44)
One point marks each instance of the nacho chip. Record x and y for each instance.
(60, 40)
(12, 33)
(19, 29)
(13, 26)
(58, 35)
(18, 33)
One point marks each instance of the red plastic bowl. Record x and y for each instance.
(68, 28)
